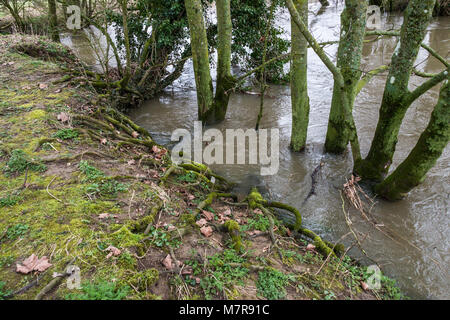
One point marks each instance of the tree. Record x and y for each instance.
(397, 98)
(53, 21)
(211, 108)
(353, 27)
(411, 172)
(299, 87)
(347, 83)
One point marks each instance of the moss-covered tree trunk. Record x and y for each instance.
(423, 157)
(299, 87)
(200, 56)
(353, 25)
(211, 109)
(397, 97)
(225, 80)
(53, 21)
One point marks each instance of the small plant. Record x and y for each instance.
(259, 222)
(19, 162)
(161, 239)
(6, 261)
(3, 292)
(272, 284)
(189, 177)
(223, 274)
(89, 171)
(9, 201)
(106, 188)
(14, 232)
(66, 134)
(100, 290)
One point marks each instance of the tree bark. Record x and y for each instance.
(396, 98)
(353, 25)
(200, 56)
(299, 88)
(225, 80)
(423, 157)
(53, 21)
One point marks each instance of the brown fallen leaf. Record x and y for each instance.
(135, 134)
(43, 86)
(131, 162)
(167, 262)
(103, 141)
(206, 231)
(364, 285)
(32, 263)
(63, 117)
(113, 251)
(310, 247)
(103, 216)
(202, 222)
(227, 212)
(208, 215)
(187, 270)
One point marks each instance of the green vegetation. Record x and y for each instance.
(272, 284)
(16, 231)
(100, 290)
(9, 200)
(66, 134)
(3, 293)
(19, 162)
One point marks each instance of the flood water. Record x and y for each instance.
(418, 257)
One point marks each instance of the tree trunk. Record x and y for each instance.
(353, 25)
(53, 21)
(299, 88)
(396, 94)
(423, 157)
(200, 56)
(225, 80)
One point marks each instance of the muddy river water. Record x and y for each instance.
(419, 255)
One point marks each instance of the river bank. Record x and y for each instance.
(81, 184)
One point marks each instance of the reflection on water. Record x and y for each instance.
(421, 220)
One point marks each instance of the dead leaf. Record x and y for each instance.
(167, 262)
(227, 212)
(63, 117)
(32, 263)
(364, 285)
(155, 149)
(131, 162)
(187, 270)
(310, 247)
(43, 86)
(113, 251)
(103, 216)
(208, 215)
(206, 231)
(258, 211)
(202, 222)
(135, 134)
(103, 141)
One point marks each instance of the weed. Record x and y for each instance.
(272, 284)
(106, 188)
(223, 275)
(189, 177)
(89, 171)
(14, 232)
(161, 239)
(100, 290)
(9, 201)
(6, 261)
(66, 134)
(3, 293)
(19, 162)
